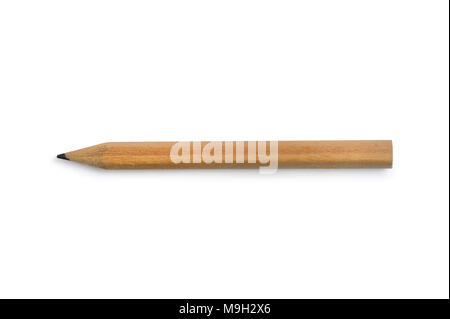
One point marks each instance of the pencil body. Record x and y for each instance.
(210, 155)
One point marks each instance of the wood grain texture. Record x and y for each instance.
(291, 154)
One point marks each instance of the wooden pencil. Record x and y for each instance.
(249, 154)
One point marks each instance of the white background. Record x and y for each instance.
(78, 73)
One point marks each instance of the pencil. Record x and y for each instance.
(236, 154)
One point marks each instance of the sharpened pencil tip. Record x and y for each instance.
(62, 156)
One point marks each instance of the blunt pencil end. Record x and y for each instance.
(62, 156)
